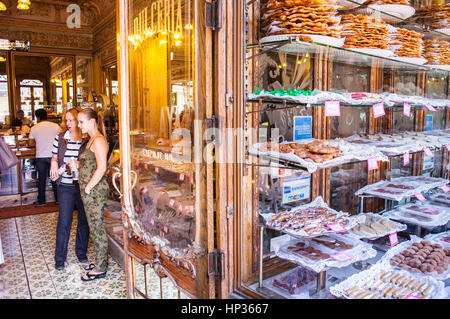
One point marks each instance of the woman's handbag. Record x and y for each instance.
(7, 157)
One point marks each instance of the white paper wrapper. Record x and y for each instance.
(441, 198)
(401, 247)
(360, 251)
(319, 202)
(361, 278)
(301, 292)
(441, 238)
(400, 227)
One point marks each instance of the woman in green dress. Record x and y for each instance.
(94, 188)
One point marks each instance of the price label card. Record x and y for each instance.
(428, 152)
(337, 228)
(165, 229)
(146, 166)
(406, 159)
(378, 110)
(137, 163)
(372, 163)
(445, 188)
(181, 177)
(412, 297)
(431, 211)
(157, 170)
(341, 257)
(448, 147)
(180, 208)
(332, 108)
(393, 238)
(420, 197)
(192, 180)
(406, 109)
(430, 107)
(172, 202)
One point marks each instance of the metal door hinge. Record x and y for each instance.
(211, 122)
(213, 11)
(216, 260)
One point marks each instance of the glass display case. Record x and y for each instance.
(340, 96)
(165, 194)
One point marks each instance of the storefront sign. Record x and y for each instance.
(378, 110)
(14, 45)
(296, 188)
(332, 108)
(302, 128)
(165, 17)
(406, 109)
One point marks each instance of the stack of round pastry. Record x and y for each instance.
(316, 17)
(407, 43)
(364, 32)
(437, 52)
(370, 2)
(436, 16)
(423, 257)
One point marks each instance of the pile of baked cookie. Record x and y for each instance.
(423, 257)
(436, 16)
(437, 52)
(318, 150)
(362, 31)
(407, 43)
(316, 17)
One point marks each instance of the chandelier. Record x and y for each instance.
(2, 6)
(23, 4)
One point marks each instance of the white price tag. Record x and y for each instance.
(337, 228)
(420, 197)
(393, 239)
(448, 147)
(430, 107)
(428, 152)
(406, 109)
(372, 163)
(445, 188)
(341, 257)
(378, 110)
(406, 159)
(332, 108)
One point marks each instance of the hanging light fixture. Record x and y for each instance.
(2, 6)
(23, 4)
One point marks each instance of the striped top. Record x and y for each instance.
(72, 152)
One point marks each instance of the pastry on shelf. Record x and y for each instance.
(406, 43)
(437, 52)
(435, 16)
(402, 2)
(315, 17)
(361, 31)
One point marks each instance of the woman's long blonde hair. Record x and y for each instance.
(97, 116)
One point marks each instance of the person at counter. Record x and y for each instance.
(21, 121)
(42, 136)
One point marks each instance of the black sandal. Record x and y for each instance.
(93, 277)
(90, 267)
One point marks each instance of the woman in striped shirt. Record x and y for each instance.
(66, 149)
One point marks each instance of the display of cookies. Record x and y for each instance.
(381, 2)
(361, 31)
(374, 226)
(391, 285)
(312, 220)
(406, 43)
(435, 16)
(423, 257)
(437, 52)
(316, 17)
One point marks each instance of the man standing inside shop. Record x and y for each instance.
(42, 136)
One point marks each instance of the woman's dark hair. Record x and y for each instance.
(97, 116)
(41, 114)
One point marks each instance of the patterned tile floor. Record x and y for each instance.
(28, 271)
